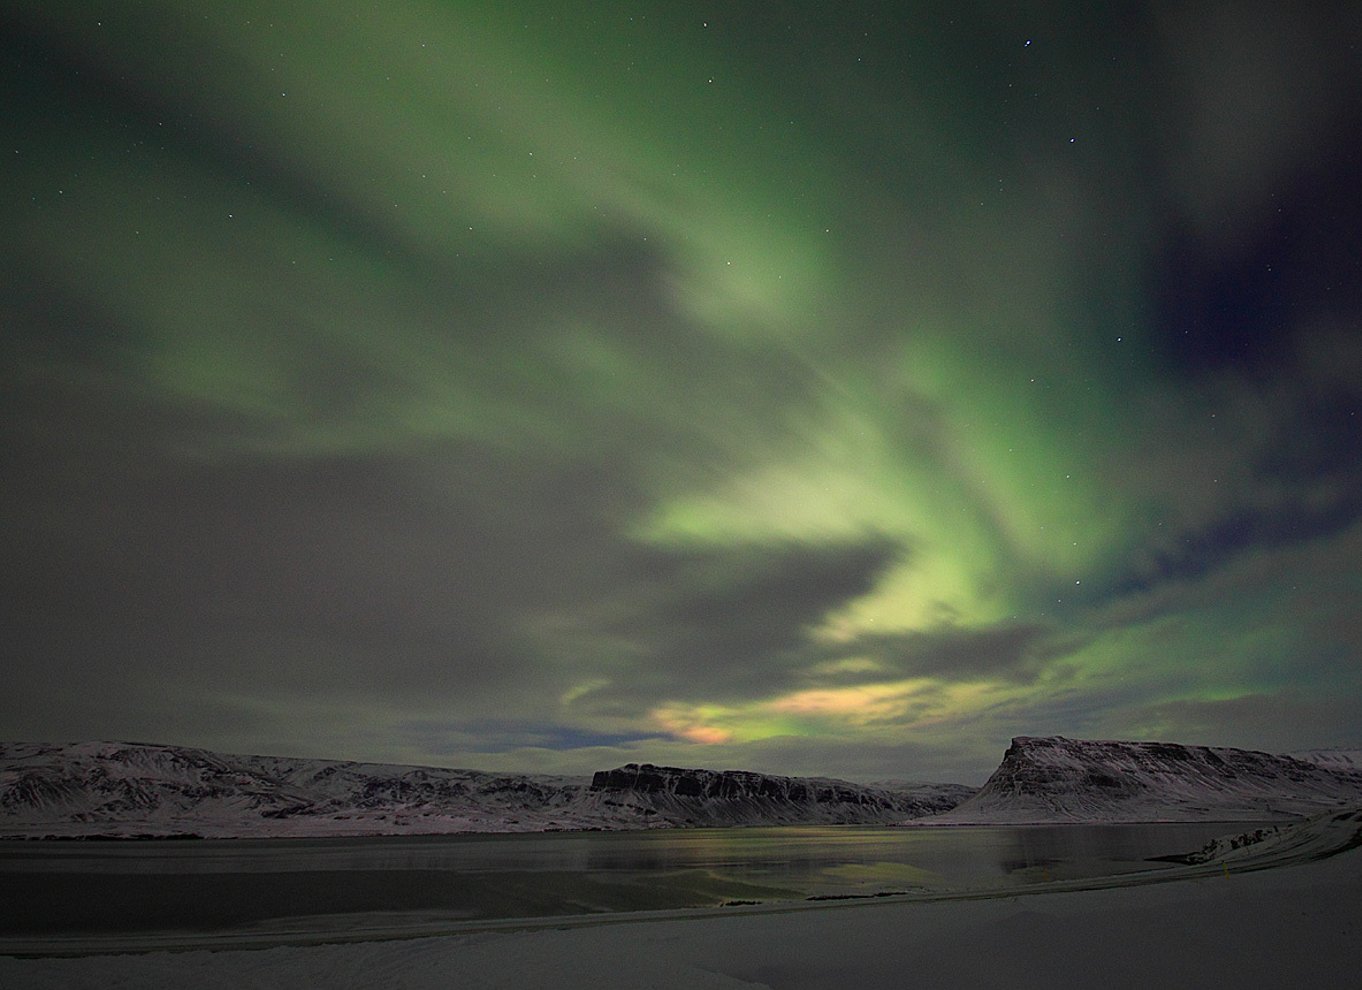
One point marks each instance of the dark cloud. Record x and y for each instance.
(439, 738)
(1319, 448)
(1253, 90)
(1265, 720)
(1289, 268)
(1246, 531)
(1014, 651)
(735, 623)
(397, 576)
(927, 757)
(402, 578)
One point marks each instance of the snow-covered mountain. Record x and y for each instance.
(111, 788)
(114, 788)
(1054, 779)
(739, 797)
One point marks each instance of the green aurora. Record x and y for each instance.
(545, 386)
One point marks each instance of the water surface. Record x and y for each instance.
(73, 887)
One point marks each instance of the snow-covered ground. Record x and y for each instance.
(1221, 925)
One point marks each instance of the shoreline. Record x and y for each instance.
(1298, 925)
(1320, 838)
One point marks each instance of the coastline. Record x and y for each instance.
(1253, 927)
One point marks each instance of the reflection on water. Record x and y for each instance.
(233, 884)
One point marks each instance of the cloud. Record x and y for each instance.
(1254, 91)
(1011, 651)
(1267, 721)
(400, 577)
(730, 622)
(1000, 388)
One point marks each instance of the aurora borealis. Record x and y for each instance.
(803, 388)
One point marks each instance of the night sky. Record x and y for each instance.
(801, 387)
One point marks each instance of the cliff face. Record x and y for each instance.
(1057, 779)
(729, 797)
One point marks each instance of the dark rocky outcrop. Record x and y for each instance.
(728, 797)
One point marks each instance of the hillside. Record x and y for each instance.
(1054, 779)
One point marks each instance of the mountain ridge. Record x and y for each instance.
(116, 789)
(146, 789)
(1045, 779)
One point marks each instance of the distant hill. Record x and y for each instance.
(1054, 779)
(133, 789)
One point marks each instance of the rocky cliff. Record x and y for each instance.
(1054, 779)
(732, 797)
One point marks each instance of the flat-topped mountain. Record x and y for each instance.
(117, 789)
(732, 797)
(1054, 779)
